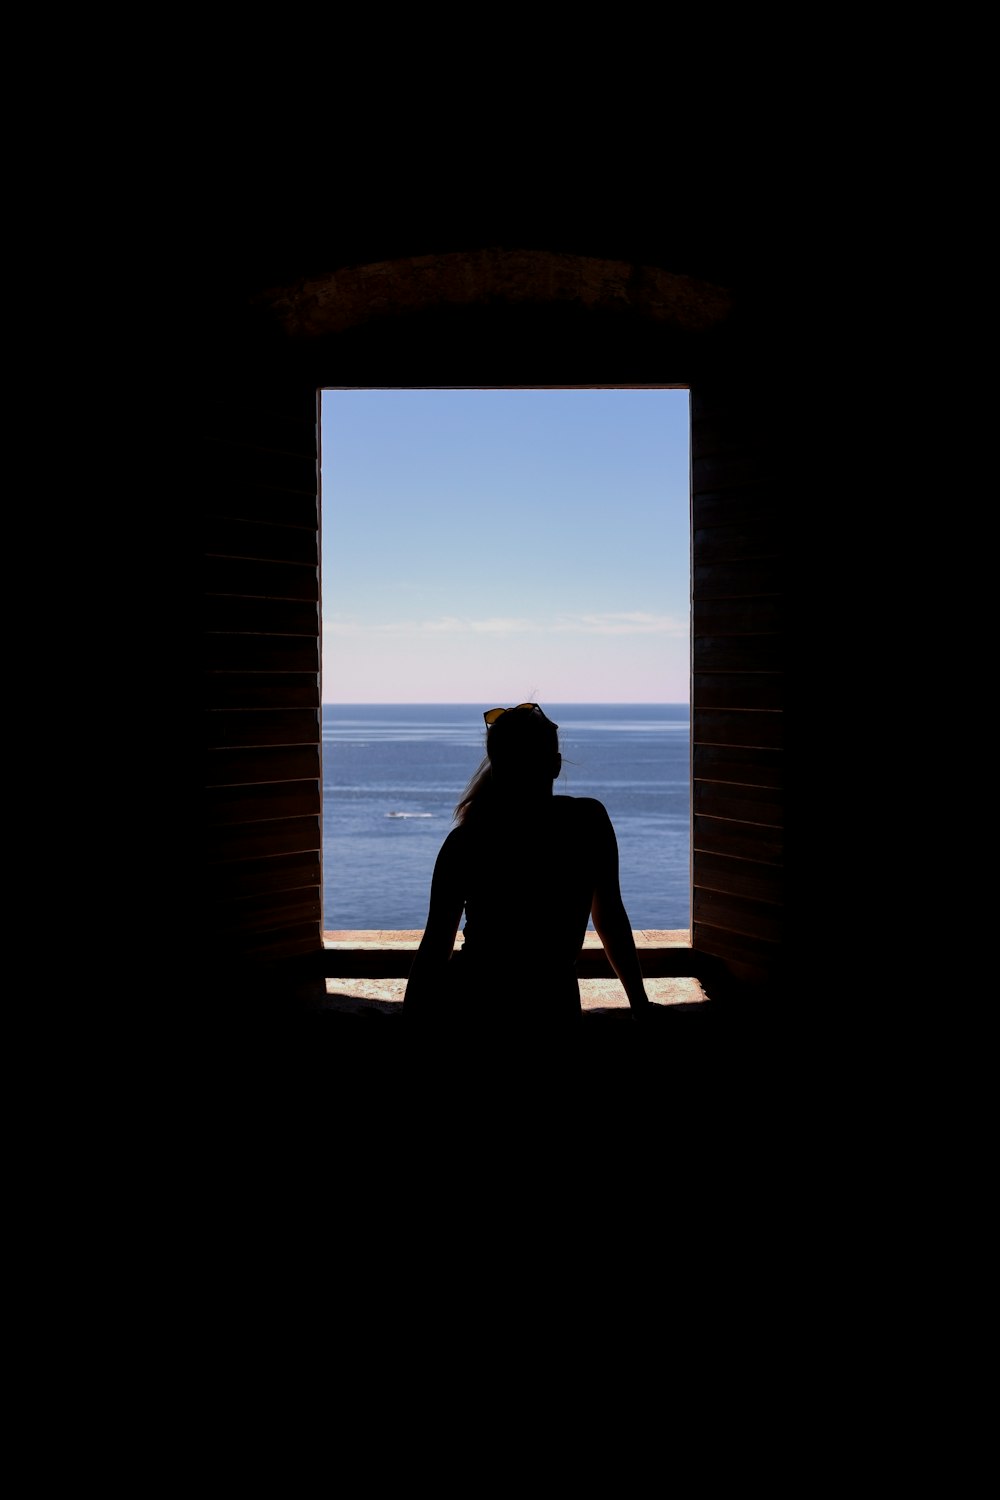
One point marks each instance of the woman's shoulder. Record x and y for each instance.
(454, 842)
(588, 819)
(587, 809)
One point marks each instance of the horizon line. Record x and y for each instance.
(474, 702)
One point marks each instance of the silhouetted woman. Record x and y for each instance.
(529, 870)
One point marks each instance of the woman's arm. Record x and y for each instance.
(447, 901)
(611, 921)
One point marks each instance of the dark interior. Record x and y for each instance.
(269, 320)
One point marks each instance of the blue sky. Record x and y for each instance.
(501, 546)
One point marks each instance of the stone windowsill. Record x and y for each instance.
(377, 962)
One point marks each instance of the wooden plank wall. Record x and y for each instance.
(262, 703)
(738, 728)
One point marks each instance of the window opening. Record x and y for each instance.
(485, 546)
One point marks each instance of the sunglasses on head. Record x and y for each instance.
(492, 714)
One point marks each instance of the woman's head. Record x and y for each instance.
(522, 744)
(522, 758)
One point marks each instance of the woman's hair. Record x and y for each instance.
(521, 761)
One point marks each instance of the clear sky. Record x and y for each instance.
(497, 547)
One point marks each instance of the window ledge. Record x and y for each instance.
(388, 954)
(366, 971)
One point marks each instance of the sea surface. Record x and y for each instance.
(392, 774)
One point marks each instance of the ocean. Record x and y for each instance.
(392, 774)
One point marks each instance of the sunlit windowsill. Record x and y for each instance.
(366, 970)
